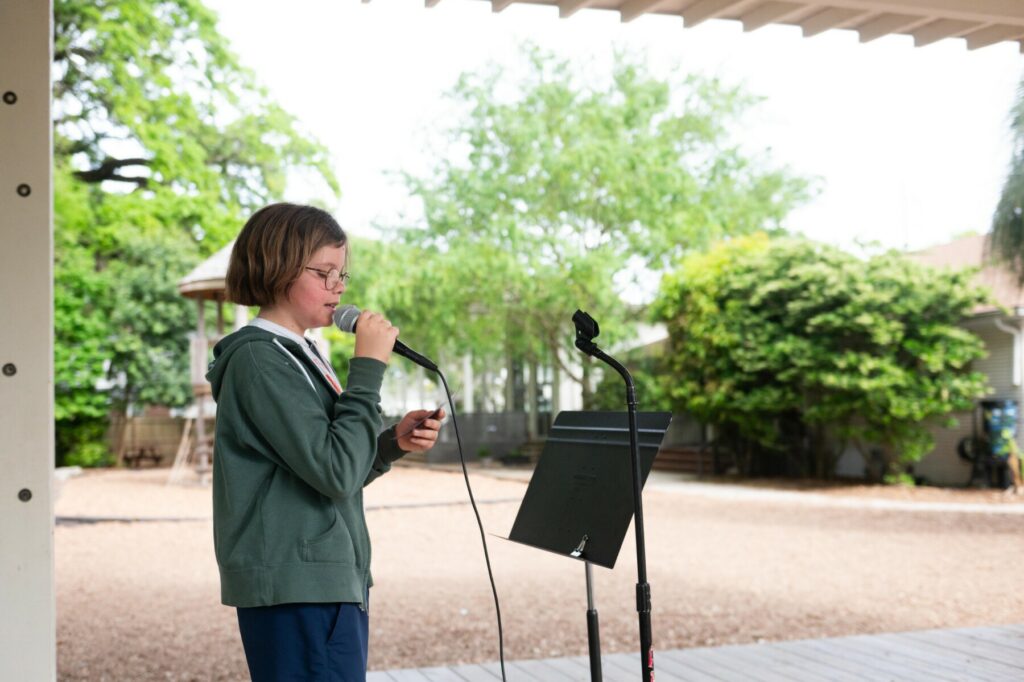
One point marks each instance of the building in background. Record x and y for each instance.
(1000, 326)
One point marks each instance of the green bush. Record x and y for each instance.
(81, 442)
(801, 349)
(651, 388)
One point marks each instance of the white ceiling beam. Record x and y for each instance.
(1005, 12)
(887, 24)
(631, 9)
(926, 20)
(768, 13)
(567, 8)
(981, 11)
(943, 28)
(833, 17)
(702, 10)
(431, 3)
(992, 35)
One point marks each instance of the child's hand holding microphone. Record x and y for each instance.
(348, 319)
(375, 337)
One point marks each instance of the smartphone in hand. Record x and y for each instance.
(420, 422)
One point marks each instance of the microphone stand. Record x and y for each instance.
(586, 330)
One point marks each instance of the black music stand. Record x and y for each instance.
(580, 500)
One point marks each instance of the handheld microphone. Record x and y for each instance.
(345, 319)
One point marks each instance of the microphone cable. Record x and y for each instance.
(345, 319)
(479, 523)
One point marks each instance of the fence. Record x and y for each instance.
(155, 437)
(685, 448)
(483, 435)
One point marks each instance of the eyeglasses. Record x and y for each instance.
(331, 277)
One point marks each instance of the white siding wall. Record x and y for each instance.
(943, 466)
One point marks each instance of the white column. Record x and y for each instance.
(28, 648)
(468, 394)
(531, 399)
(570, 393)
(556, 385)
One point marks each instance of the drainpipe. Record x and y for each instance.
(1016, 332)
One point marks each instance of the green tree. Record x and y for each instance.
(652, 390)
(554, 197)
(797, 348)
(163, 143)
(1006, 241)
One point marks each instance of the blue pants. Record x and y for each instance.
(305, 642)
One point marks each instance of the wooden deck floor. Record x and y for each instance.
(985, 654)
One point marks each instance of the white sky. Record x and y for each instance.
(911, 145)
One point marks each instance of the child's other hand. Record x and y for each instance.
(375, 337)
(416, 437)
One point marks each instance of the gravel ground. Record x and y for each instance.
(139, 600)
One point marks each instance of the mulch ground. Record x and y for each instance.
(139, 600)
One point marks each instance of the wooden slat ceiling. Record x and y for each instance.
(978, 22)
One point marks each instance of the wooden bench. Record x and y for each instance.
(135, 457)
(686, 459)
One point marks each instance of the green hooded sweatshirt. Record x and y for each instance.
(290, 462)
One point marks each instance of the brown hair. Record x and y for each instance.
(273, 248)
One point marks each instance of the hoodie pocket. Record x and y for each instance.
(334, 545)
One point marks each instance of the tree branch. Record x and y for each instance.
(108, 171)
(558, 358)
(88, 53)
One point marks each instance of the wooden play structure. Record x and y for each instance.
(204, 284)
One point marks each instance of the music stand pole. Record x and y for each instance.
(586, 329)
(593, 631)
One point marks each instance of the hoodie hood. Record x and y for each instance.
(227, 347)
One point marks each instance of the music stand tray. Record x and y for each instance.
(580, 499)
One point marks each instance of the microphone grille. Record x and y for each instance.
(345, 318)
